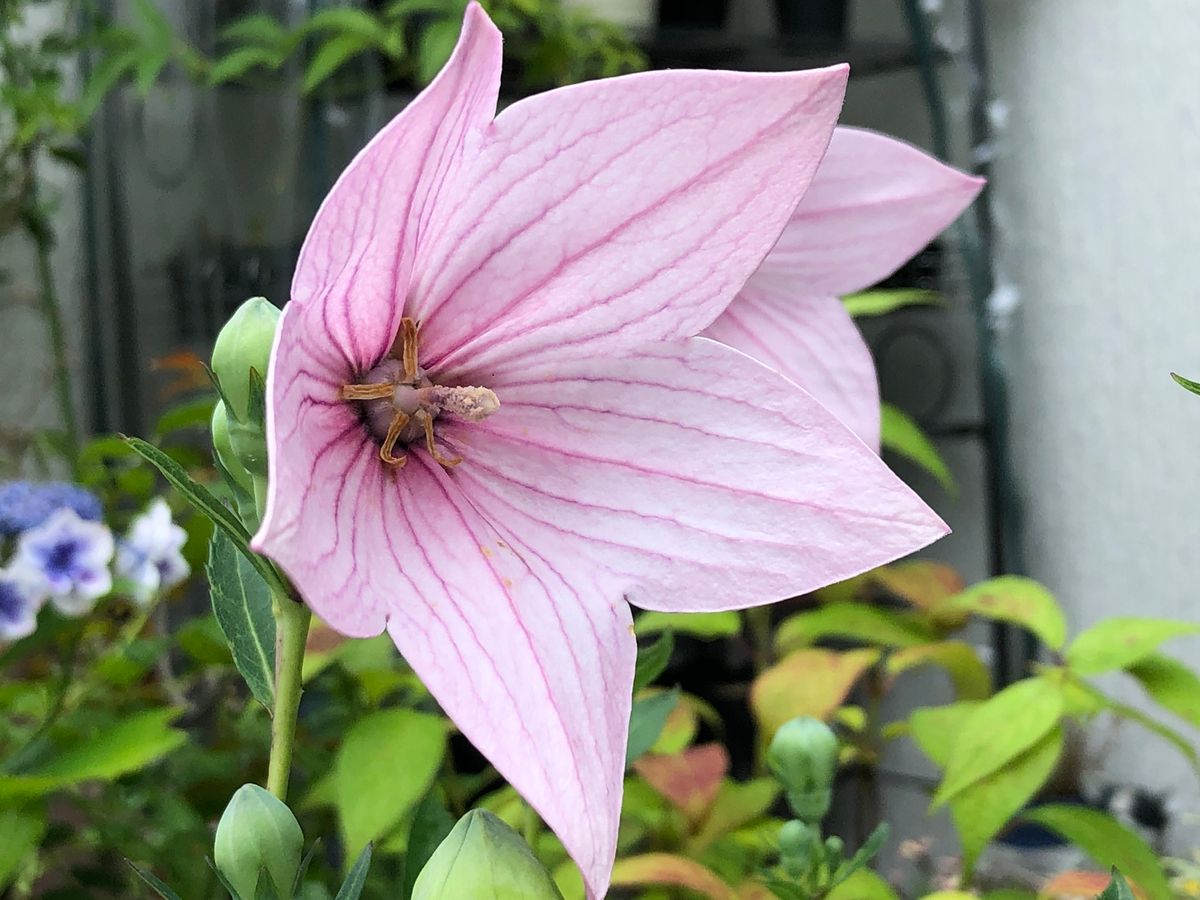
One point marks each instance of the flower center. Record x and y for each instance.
(401, 403)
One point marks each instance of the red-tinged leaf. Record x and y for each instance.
(926, 585)
(1077, 884)
(666, 870)
(689, 780)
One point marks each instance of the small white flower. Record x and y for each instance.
(71, 557)
(22, 593)
(149, 556)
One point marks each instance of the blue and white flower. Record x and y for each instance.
(22, 594)
(27, 504)
(71, 556)
(149, 556)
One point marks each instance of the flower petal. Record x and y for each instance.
(696, 478)
(811, 340)
(536, 672)
(356, 263)
(615, 212)
(874, 202)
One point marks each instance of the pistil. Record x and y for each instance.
(398, 392)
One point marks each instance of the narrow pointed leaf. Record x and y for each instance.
(1171, 684)
(646, 722)
(902, 435)
(880, 303)
(652, 661)
(156, 884)
(241, 602)
(352, 887)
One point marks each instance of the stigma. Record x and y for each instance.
(400, 403)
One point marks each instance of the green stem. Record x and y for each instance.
(291, 626)
(43, 242)
(758, 624)
(532, 826)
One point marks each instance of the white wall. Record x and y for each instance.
(1098, 196)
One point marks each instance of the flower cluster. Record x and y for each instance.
(63, 553)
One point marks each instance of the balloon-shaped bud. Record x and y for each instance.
(258, 837)
(244, 344)
(803, 756)
(797, 846)
(483, 857)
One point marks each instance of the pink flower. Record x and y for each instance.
(874, 202)
(489, 427)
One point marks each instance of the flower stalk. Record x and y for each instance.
(291, 629)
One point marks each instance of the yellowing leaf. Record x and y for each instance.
(806, 683)
(972, 680)
(927, 585)
(988, 805)
(1022, 601)
(1000, 729)
(667, 870)
(855, 621)
(1120, 642)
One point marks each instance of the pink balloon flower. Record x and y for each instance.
(873, 204)
(490, 427)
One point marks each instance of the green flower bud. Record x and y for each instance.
(803, 755)
(258, 837)
(244, 344)
(797, 844)
(483, 857)
(223, 447)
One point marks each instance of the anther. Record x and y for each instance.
(427, 424)
(389, 441)
(408, 348)
(367, 391)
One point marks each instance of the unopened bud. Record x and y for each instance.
(223, 447)
(244, 344)
(258, 837)
(803, 756)
(483, 857)
(797, 844)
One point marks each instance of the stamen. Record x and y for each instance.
(367, 391)
(393, 435)
(408, 345)
(427, 423)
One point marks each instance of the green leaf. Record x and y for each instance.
(431, 823)
(1022, 601)
(854, 621)
(1181, 743)
(104, 77)
(870, 847)
(238, 62)
(737, 803)
(652, 661)
(647, 719)
(1108, 842)
(125, 746)
(1171, 685)
(332, 55)
(372, 793)
(156, 884)
(999, 730)
(1120, 642)
(879, 303)
(149, 67)
(863, 885)
(241, 602)
(23, 829)
(346, 20)
(256, 29)
(1118, 888)
(352, 887)
(934, 728)
(901, 434)
(192, 414)
(437, 43)
(972, 679)
(1187, 383)
(706, 625)
(205, 503)
(985, 807)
